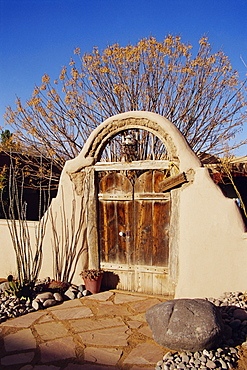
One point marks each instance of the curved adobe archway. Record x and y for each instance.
(177, 147)
(204, 225)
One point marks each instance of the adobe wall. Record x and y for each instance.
(8, 257)
(7, 260)
(208, 239)
(212, 242)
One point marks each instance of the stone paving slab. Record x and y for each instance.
(103, 331)
(20, 341)
(143, 306)
(140, 368)
(110, 336)
(24, 321)
(20, 358)
(144, 353)
(45, 318)
(66, 304)
(88, 324)
(73, 313)
(51, 330)
(116, 310)
(59, 349)
(146, 331)
(134, 324)
(124, 298)
(103, 296)
(105, 356)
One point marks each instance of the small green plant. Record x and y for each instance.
(20, 289)
(92, 274)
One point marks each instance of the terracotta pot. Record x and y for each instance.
(93, 285)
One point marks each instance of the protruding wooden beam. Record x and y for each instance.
(172, 182)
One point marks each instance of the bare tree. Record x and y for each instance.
(196, 90)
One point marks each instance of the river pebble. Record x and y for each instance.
(225, 359)
(11, 306)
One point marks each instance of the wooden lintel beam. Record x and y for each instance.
(172, 182)
(135, 165)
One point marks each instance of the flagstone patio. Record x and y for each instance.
(107, 330)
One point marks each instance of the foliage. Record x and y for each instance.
(92, 274)
(20, 289)
(3, 177)
(198, 91)
(7, 141)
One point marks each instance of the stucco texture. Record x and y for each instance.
(208, 245)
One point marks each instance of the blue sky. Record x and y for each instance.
(39, 36)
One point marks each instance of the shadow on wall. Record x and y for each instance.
(229, 191)
(110, 281)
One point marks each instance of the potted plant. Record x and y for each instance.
(92, 279)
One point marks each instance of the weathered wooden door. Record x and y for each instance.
(134, 230)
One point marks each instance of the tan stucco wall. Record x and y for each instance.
(211, 246)
(212, 242)
(7, 260)
(8, 257)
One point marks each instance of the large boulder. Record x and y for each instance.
(186, 324)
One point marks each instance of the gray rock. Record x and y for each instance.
(42, 297)
(186, 324)
(73, 288)
(58, 297)
(167, 356)
(49, 302)
(35, 304)
(81, 288)
(184, 357)
(70, 294)
(235, 324)
(233, 350)
(222, 363)
(240, 314)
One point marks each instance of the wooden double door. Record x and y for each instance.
(134, 218)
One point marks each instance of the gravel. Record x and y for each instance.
(233, 307)
(11, 306)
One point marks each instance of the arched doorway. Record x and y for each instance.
(133, 211)
(131, 197)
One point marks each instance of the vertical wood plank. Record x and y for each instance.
(115, 218)
(145, 226)
(152, 228)
(90, 199)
